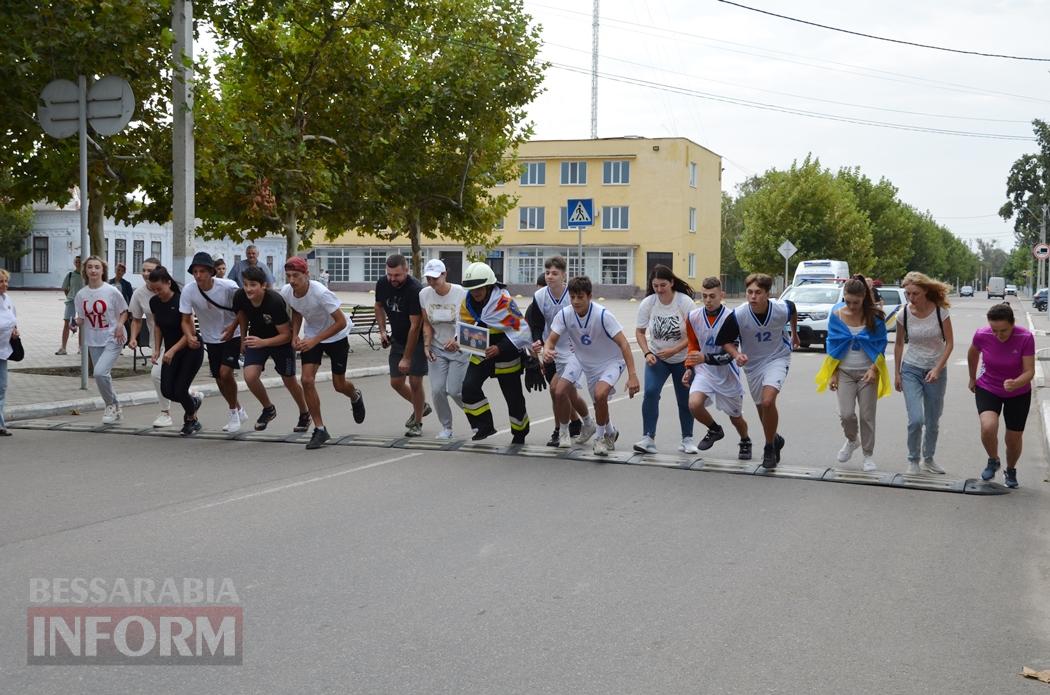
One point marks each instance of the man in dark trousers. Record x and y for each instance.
(397, 300)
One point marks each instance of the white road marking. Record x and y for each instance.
(298, 483)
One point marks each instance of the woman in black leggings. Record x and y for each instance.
(180, 362)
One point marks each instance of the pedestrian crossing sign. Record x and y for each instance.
(580, 212)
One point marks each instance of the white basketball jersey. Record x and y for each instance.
(762, 341)
(722, 378)
(549, 306)
(592, 335)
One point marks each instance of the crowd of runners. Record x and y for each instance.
(460, 336)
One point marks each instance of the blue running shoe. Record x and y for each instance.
(989, 471)
(1011, 478)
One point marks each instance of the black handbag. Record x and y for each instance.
(18, 353)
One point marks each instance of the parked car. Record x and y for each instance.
(813, 302)
(966, 291)
(1039, 300)
(893, 300)
(1011, 289)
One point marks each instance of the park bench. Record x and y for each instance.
(365, 323)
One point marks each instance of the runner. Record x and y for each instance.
(316, 311)
(1004, 386)
(552, 297)
(101, 313)
(855, 366)
(139, 308)
(211, 299)
(764, 352)
(220, 268)
(440, 302)
(602, 354)
(488, 305)
(266, 333)
(8, 332)
(179, 363)
(660, 333)
(397, 299)
(710, 371)
(925, 338)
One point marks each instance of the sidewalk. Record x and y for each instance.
(40, 324)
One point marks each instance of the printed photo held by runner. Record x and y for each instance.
(602, 355)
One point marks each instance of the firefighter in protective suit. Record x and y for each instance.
(488, 305)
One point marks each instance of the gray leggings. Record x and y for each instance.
(103, 357)
(446, 380)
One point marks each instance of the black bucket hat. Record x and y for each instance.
(202, 258)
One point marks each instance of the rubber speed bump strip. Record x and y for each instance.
(927, 482)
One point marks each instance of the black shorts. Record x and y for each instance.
(283, 357)
(1014, 409)
(337, 352)
(226, 354)
(419, 360)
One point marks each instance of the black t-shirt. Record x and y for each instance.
(167, 319)
(401, 304)
(264, 319)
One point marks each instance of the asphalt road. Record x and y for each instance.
(366, 570)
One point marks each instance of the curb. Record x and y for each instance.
(88, 404)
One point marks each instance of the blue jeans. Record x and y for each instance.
(3, 392)
(655, 377)
(925, 403)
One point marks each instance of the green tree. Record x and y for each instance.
(960, 262)
(1028, 188)
(15, 225)
(45, 40)
(890, 229)
(1017, 266)
(732, 229)
(810, 207)
(388, 117)
(992, 258)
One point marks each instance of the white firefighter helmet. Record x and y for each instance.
(478, 275)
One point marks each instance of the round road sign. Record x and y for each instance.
(1041, 251)
(59, 109)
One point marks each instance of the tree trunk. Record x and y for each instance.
(96, 223)
(417, 251)
(291, 232)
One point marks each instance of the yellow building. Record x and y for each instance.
(655, 200)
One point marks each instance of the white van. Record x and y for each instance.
(820, 271)
(996, 287)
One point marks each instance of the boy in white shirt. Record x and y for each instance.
(602, 354)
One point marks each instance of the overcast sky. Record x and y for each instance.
(728, 52)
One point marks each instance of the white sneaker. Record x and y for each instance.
(846, 452)
(601, 448)
(932, 467)
(869, 463)
(444, 434)
(587, 431)
(234, 423)
(110, 415)
(243, 415)
(163, 420)
(564, 438)
(610, 438)
(688, 446)
(913, 468)
(645, 445)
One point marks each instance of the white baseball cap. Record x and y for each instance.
(434, 268)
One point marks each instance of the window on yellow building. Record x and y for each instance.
(573, 173)
(499, 224)
(533, 173)
(692, 265)
(615, 217)
(616, 172)
(615, 266)
(692, 220)
(530, 218)
(692, 174)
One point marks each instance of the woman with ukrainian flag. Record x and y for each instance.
(855, 367)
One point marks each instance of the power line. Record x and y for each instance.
(883, 38)
(791, 94)
(806, 61)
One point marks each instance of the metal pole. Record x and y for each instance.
(579, 248)
(183, 215)
(1042, 240)
(85, 243)
(594, 72)
(785, 272)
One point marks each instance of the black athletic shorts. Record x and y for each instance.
(419, 366)
(337, 352)
(1014, 409)
(283, 357)
(226, 354)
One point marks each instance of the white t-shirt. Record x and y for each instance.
(138, 307)
(442, 312)
(855, 358)
(665, 323)
(213, 321)
(591, 335)
(316, 307)
(925, 345)
(8, 320)
(100, 308)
